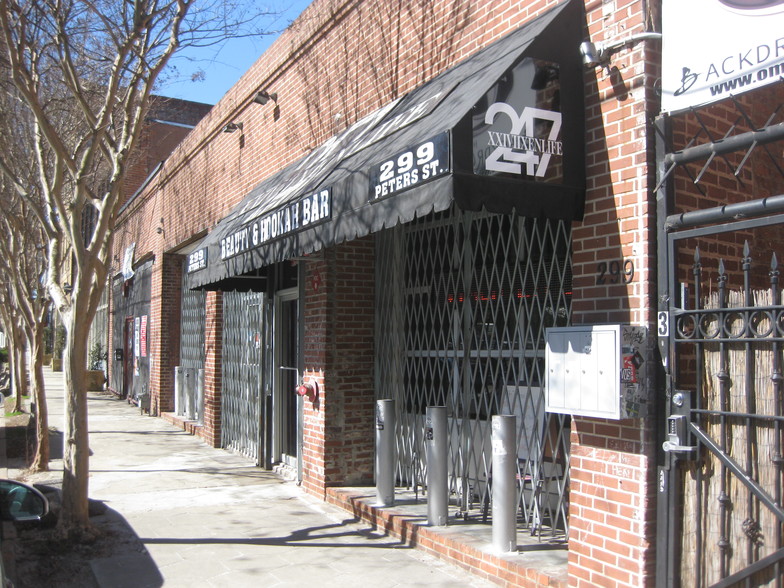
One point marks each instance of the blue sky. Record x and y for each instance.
(223, 65)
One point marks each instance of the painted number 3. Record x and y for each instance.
(615, 272)
(663, 322)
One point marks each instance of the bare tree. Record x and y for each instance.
(86, 69)
(23, 267)
(23, 262)
(17, 344)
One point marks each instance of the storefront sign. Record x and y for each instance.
(137, 322)
(143, 336)
(519, 133)
(428, 160)
(714, 49)
(510, 151)
(298, 215)
(197, 261)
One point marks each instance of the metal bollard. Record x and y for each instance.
(504, 483)
(385, 452)
(436, 450)
(200, 396)
(179, 398)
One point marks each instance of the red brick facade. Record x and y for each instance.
(338, 62)
(612, 489)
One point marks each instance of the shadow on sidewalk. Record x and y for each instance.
(321, 536)
(114, 556)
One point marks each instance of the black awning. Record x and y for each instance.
(501, 131)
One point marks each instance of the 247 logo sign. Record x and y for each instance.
(528, 146)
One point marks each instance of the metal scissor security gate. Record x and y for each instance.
(463, 302)
(243, 348)
(193, 320)
(721, 329)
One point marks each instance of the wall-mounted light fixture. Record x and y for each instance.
(159, 229)
(597, 54)
(263, 97)
(231, 127)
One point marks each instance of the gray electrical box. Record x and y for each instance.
(598, 371)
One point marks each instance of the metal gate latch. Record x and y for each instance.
(677, 434)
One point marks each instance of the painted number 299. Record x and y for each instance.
(405, 161)
(615, 272)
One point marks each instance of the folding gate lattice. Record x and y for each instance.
(463, 303)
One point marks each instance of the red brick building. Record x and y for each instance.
(397, 201)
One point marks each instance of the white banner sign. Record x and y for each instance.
(713, 49)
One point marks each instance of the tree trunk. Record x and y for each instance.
(74, 516)
(40, 461)
(20, 387)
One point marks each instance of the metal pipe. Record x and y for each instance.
(437, 454)
(385, 452)
(179, 400)
(200, 395)
(189, 392)
(739, 210)
(763, 136)
(504, 483)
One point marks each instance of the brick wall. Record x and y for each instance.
(339, 440)
(213, 348)
(316, 357)
(167, 338)
(612, 490)
(338, 63)
(349, 422)
(210, 171)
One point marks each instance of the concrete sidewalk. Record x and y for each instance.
(208, 517)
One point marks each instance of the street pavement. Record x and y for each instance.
(208, 517)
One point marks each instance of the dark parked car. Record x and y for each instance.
(19, 502)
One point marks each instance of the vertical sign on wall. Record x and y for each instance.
(143, 336)
(136, 344)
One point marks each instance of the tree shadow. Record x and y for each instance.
(110, 553)
(55, 444)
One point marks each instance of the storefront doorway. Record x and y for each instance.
(286, 407)
(127, 381)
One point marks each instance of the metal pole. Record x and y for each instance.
(188, 392)
(437, 453)
(179, 401)
(200, 395)
(385, 452)
(504, 483)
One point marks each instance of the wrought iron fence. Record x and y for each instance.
(728, 341)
